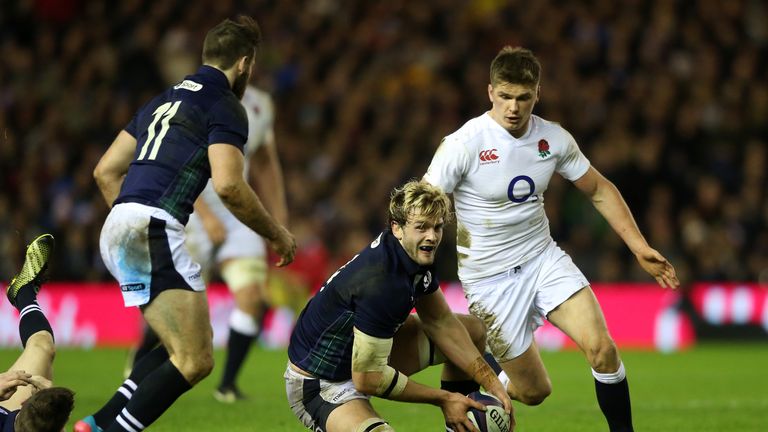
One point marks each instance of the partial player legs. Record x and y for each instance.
(581, 318)
(180, 319)
(412, 352)
(526, 377)
(245, 278)
(356, 416)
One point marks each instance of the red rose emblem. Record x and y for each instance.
(543, 148)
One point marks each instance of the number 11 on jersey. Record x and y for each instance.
(165, 112)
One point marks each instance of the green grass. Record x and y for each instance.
(710, 388)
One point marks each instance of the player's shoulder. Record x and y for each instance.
(549, 127)
(471, 133)
(550, 131)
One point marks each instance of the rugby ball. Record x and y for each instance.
(494, 419)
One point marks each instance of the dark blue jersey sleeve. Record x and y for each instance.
(131, 128)
(380, 308)
(228, 123)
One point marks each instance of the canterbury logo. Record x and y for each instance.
(488, 155)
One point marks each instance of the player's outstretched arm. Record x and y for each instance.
(228, 182)
(372, 375)
(446, 331)
(608, 201)
(112, 167)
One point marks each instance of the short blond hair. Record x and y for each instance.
(418, 196)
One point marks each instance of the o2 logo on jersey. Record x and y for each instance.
(488, 156)
(522, 198)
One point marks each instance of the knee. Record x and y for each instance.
(536, 395)
(194, 367)
(42, 343)
(603, 356)
(248, 300)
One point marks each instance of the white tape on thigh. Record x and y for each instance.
(242, 272)
(374, 424)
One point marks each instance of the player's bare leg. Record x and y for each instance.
(526, 378)
(581, 318)
(355, 416)
(180, 319)
(413, 352)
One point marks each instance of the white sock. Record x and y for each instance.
(611, 378)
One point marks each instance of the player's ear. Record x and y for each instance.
(490, 92)
(243, 64)
(397, 230)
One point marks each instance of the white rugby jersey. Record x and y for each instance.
(261, 116)
(498, 182)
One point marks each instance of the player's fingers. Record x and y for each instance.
(660, 281)
(477, 405)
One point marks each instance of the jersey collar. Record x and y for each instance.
(216, 76)
(531, 121)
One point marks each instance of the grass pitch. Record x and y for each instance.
(709, 388)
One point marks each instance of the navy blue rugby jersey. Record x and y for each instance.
(375, 292)
(7, 420)
(173, 132)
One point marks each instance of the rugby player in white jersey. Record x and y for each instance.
(497, 166)
(239, 252)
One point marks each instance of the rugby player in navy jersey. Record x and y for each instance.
(356, 338)
(28, 403)
(151, 175)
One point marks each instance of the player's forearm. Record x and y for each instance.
(453, 340)
(609, 202)
(109, 186)
(270, 184)
(372, 383)
(242, 201)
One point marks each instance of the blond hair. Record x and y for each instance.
(418, 197)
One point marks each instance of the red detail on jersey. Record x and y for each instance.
(488, 155)
(543, 146)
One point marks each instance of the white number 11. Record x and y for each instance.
(165, 112)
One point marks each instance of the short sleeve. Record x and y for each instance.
(572, 164)
(449, 165)
(227, 123)
(379, 312)
(131, 127)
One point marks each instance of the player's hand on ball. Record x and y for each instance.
(455, 408)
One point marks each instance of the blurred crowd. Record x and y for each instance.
(669, 99)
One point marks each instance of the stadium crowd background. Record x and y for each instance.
(669, 99)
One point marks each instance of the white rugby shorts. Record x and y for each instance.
(513, 304)
(312, 400)
(143, 248)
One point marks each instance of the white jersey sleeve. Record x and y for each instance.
(449, 165)
(572, 164)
